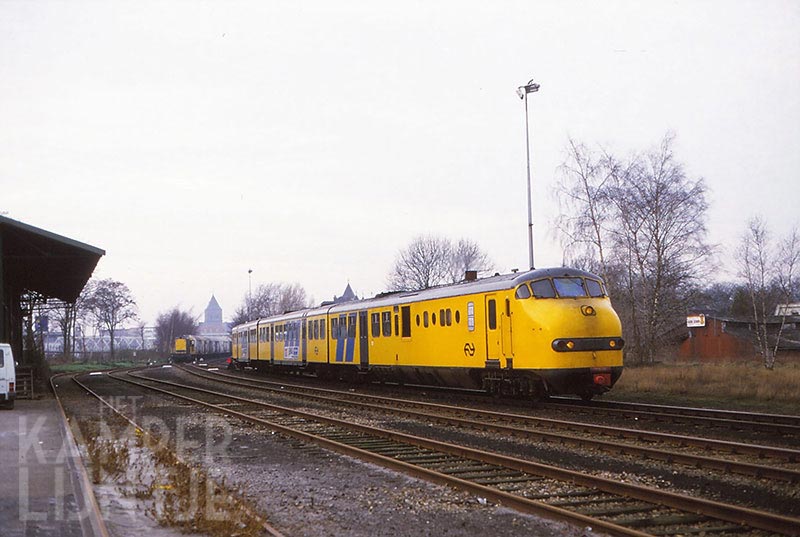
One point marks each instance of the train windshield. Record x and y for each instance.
(569, 287)
(564, 287)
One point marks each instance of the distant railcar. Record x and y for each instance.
(533, 334)
(191, 348)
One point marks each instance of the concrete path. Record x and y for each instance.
(41, 491)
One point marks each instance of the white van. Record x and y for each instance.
(8, 376)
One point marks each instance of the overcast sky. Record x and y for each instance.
(311, 141)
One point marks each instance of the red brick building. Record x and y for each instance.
(712, 338)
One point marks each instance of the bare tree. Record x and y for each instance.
(770, 276)
(111, 304)
(66, 315)
(641, 223)
(429, 261)
(467, 255)
(788, 263)
(173, 324)
(271, 299)
(585, 213)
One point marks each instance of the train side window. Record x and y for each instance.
(543, 289)
(386, 317)
(471, 316)
(595, 288)
(523, 291)
(425, 319)
(322, 329)
(396, 325)
(458, 317)
(491, 313)
(334, 327)
(442, 321)
(376, 324)
(433, 318)
(405, 311)
(351, 325)
(449, 316)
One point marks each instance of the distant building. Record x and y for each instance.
(125, 339)
(347, 296)
(212, 321)
(716, 338)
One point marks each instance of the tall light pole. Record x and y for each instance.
(249, 294)
(523, 91)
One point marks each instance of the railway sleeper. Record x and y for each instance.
(425, 458)
(663, 520)
(592, 501)
(621, 510)
(570, 494)
(508, 479)
(456, 465)
(693, 530)
(467, 469)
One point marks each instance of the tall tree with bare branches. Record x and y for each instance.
(431, 260)
(641, 222)
(111, 304)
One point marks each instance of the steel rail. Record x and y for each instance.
(655, 415)
(271, 530)
(721, 511)
(699, 461)
(96, 522)
(759, 417)
(760, 451)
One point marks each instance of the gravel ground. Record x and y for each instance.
(301, 490)
(763, 494)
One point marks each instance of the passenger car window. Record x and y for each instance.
(386, 317)
(543, 289)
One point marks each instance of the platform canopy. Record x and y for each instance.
(37, 260)
(32, 259)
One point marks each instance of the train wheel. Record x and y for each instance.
(586, 396)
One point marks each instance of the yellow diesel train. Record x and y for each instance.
(190, 348)
(537, 333)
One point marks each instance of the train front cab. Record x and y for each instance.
(573, 338)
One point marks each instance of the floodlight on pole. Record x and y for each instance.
(523, 91)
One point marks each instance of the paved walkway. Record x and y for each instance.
(40, 485)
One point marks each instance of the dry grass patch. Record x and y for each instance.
(726, 385)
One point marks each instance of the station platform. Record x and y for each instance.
(43, 489)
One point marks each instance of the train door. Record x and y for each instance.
(493, 335)
(363, 336)
(304, 340)
(505, 329)
(271, 342)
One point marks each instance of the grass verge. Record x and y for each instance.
(730, 386)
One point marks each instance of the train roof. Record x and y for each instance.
(497, 282)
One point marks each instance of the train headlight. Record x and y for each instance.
(612, 344)
(588, 311)
(570, 345)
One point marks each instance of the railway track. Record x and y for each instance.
(673, 447)
(604, 504)
(265, 527)
(772, 423)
